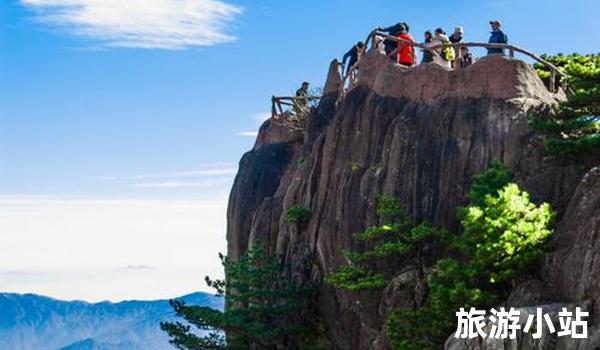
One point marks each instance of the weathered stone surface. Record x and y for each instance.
(419, 135)
(494, 77)
(573, 269)
(525, 341)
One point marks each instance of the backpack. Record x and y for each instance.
(448, 53)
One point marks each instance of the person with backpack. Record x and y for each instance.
(391, 45)
(427, 54)
(407, 55)
(497, 37)
(353, 55)
(444, 55)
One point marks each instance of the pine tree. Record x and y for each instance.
(574, 126)
(264, 309)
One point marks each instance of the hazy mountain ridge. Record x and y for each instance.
(34, 322)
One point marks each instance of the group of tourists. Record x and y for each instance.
(437, 48)
(405, 54)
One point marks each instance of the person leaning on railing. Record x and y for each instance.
(427, 54)
(456, 38)
(445, 54)
(407, 55)
(497, 37)
(391, 45)
(353, 55)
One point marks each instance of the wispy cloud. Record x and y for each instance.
(248, 133)
(212, 177)
(152, 24)
(182, 184)
(259, 118)
(208, 170)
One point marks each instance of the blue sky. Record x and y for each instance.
(152, 100)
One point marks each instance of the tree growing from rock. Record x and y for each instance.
(264, 309)
(504, 234)
(574, 126)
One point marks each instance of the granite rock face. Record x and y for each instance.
(419, 134)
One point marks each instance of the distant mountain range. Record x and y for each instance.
(33, 322)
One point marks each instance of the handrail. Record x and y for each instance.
(555, 71)
(278, 101)
(295, 115)
(509, 47)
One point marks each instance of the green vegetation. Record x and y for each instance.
(574, 126)
(297, 214)
(504, 234)
(398, 238)
(264, 309)
(489, 182)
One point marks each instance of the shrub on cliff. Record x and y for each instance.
(264, 309)
(399, 237)
(575, 125)
(297, 214)
(504, 234)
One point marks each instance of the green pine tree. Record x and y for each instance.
(574, 126)
(264, 309)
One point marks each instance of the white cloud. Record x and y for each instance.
(248, 133)
(109, 249)
(183, 184)
(156, 24)
(207, 170)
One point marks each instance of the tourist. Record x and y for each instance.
(391, 45)
(443, 54)
(456, 38)
(301, 101)
(467, 57)
(497, 37)
(353, 55)
(407, 55)
(427, 54)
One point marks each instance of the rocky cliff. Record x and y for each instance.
(420, 135)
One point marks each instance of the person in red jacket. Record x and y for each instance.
(407, 55)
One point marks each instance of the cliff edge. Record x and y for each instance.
(419, 134)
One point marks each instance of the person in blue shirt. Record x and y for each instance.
(353, 55)
(497, 37)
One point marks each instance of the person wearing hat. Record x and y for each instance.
(497, 37)
(455, 38)
(354, 55)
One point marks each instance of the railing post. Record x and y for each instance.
(511, 52)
